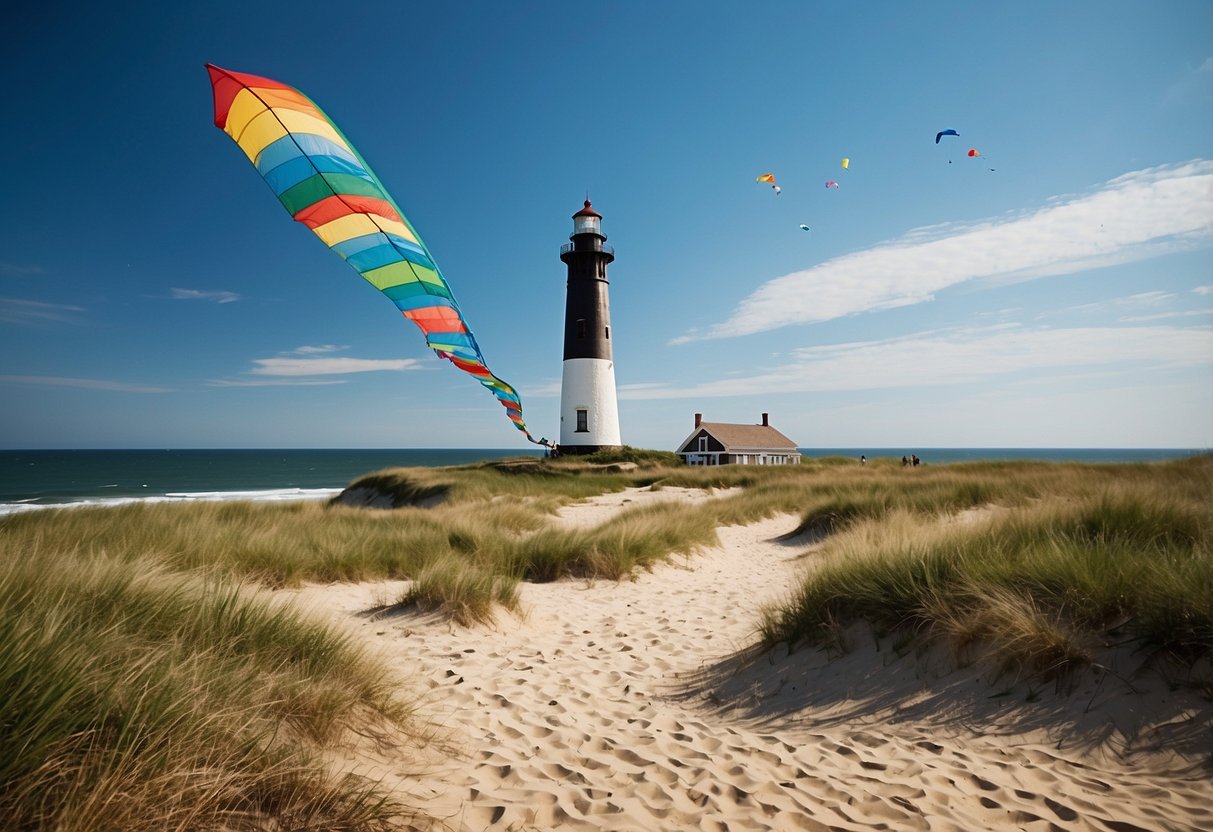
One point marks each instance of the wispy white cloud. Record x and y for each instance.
(1140, 300)
(1194, 86)
(19, 270)
(85, 384)
(308, 365)
(329, 366)
(1142, 214)
(199, 294)
(317, 349)
(544, 390)
(958, 356)
(272, 382)
(1159, 316)
(17, 311)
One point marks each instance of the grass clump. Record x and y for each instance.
(638, 456)
(466, 591)
(523, 479)
(634, 539)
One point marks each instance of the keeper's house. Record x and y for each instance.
(719, 443)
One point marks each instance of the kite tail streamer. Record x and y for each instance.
(324, 183)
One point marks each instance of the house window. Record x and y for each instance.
(583, 421)
(703, 444)
(581, 327)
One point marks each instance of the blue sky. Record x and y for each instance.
(1056, 291)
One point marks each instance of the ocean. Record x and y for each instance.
(33, 479)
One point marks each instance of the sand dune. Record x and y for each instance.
(637, 706)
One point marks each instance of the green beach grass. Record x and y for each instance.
(1064, 562)
(147, 686)
(137, 698)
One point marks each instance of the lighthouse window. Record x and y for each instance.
(608, 333)
(581, 327)
(583, 421)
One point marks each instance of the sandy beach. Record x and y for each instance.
(638, 705)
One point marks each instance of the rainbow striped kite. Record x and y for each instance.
(324, 184)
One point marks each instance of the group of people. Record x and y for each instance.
(911, 460)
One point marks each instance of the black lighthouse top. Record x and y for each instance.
(587, 233)
(587, 315)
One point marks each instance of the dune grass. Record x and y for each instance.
(1071, 557)
(487, 524)
(274, 544)
(1071, 565)
(146, 687)
(633, 539)
(139, 699)
(544, 484)
(467, 591)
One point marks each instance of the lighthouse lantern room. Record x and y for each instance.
(589, 412)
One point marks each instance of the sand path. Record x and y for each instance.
(607, 708)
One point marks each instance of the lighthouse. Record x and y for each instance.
(589, 414)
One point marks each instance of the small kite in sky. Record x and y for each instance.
(831, 183)
(804, 227)
(846, 162)
(974, 152)
(942, 133)
(770, 179)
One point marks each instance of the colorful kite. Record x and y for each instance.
(974, 152)
(831, 183)
(846, 162)
(770, 178)
(324, 184)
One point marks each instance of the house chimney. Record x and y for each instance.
(764, 421)
(698, 419)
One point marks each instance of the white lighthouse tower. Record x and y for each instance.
(589, 413)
